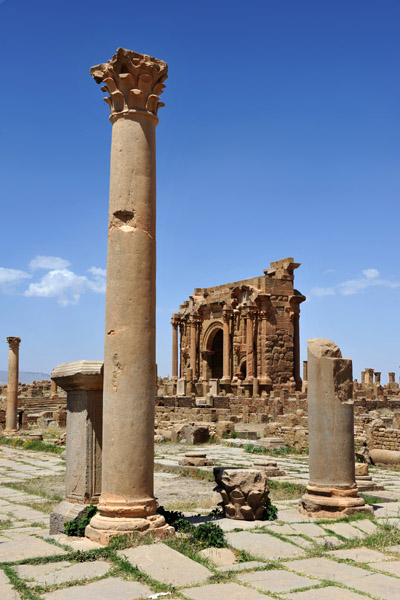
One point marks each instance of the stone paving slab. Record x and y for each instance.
(26, 547)
(277, 580)
(242, 566)
(309, 529)
(323, 568)
(366, 525)
(164, 564)
(327, 593)
(328, 541)
(361, 555)
(223, 591)
(112, 588)
(263, 545)
(346, 530)
(58, 573)
(221, 557)
(75, 543)
(392, 567)
(231, 524)
(381, 586)
(7, 592)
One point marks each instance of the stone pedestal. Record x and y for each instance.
(12, 386)
(134, 83)
(364, 480)
(332, 490)
(83, 382)
(244, 492)
(196, 459)
(270, 468)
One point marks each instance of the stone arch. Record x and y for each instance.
(213, 351)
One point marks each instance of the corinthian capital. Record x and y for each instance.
(14, 342)
(134, 81)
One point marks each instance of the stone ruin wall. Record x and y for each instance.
(279, 414)
(35, 400)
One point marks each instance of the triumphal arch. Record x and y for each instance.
(241, 333)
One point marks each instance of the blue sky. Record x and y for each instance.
(280, 137)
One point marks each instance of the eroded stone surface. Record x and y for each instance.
(244, 492)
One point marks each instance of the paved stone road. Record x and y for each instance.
(292, 558)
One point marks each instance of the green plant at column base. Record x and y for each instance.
(270, 511)
(77, 526)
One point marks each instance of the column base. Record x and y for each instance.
(332, 502)
(101, 529)
(10, 432)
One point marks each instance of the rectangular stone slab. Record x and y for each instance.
(263, 545)
(323, 568)
(328, 593)
(224, 591)
(166, 565)
(112, 588)
(277, 580)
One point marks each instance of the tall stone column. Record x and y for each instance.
(249, 345)
(174, 323)
(226, 318)
(332, 490)
(134, 83)
(12, 385)
(193, 346)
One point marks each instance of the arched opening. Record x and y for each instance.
(217, 347)
(243, 370)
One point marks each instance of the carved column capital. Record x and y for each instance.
(14, 342)
(135, 83)
(227, 314)
(175, 320)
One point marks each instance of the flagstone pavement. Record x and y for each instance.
(292, 558)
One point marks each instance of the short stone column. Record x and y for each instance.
(174, 323)
(331, 491)
(134, 83)
(226, 318)
(377, 377)
(12, 385)
(83, 382)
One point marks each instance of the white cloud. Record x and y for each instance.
(98, 283)
(48, 263)
(67, 286)
(368, 278)
(319, 291)
(8, 276)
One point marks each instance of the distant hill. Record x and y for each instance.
(24, 377)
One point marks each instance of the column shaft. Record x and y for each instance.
(249, 347)
(174, 350)
(134, 82)
(12, 384)
(226, 349)
(193, 349)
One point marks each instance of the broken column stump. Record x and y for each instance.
(332, 491)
